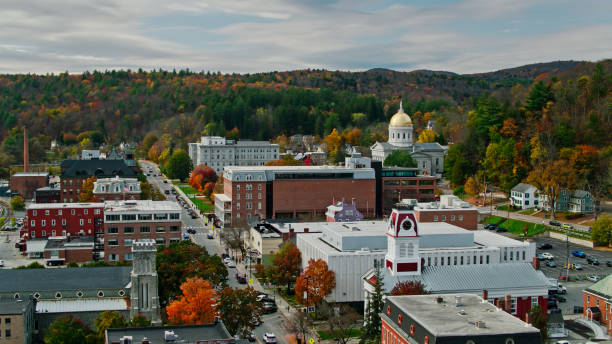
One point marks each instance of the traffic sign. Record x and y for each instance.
(250, 281)
(311, 341)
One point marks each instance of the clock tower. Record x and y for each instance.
(403, 242)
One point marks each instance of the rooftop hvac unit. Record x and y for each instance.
(465, 205)
(170, 336)
(125, 340)
(480, 324)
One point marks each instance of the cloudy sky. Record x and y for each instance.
(463, 36)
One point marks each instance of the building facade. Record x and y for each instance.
(429, 156)
(107, 189)
(598, 302)
(524, 196)
(16, 321)
(402, 183)
(125, 222)
(451, 319)
(145, 298)
(578, 201)
(75, 172)
(343, 212)
(47, 195)
(303, 192)
(218, 152)
(26, 183)
(43, 220)
(449, 209)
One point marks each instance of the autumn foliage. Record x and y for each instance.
(203, 179)
(409, 288)
(287, 262)
(317, 281)
(197, 305)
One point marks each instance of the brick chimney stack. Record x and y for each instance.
(508, 303)
(485, 295)
(536, 263)
(26, 154)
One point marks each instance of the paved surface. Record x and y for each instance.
(526, 218)
(559, 251)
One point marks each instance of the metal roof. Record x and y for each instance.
(82, 305)
(523, 187)
(602, 288)
(97, 168)
(32, 280)
(185, 334)
(13, 307)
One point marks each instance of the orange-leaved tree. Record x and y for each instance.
(316, 282)
(409, 288)
(86, 194)
(201, 175)
(197, 305)
(287, 262)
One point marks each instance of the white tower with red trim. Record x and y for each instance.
(402, 257)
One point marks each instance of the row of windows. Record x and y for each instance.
(79, 294)
(143, 229)
(249, 195)
(249, 205)
(142, 217)
(128, 242)
(72, 212)
(409, 182)
(43, 223)
(458, 260)
(7, 333)
(513, 255)
(443, 218)
(249, 187)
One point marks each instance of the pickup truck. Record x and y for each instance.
(556, 288)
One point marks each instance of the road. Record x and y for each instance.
(526, 218)
(273, 322)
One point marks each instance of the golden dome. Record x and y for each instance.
(400, 119)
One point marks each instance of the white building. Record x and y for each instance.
(350, 249)
(90, 154)
(106, 189)
(217, 152)
(524, 196)
(429, 156)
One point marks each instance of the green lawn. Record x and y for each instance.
(528, 211)
(505, 208)
(326, 335)
(517, 227)
(188, 190)
(203, 205)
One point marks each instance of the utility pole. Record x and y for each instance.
(567, 254)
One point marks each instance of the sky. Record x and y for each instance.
(246, 36)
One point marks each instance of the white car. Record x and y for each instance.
(1, 263)
(269, 338)
(231, 264)
(593, 278)
(548, 256)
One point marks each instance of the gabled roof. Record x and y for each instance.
(602, 288)
(33, 280)
(523, 187)
(581, 194)
(429, 146)
(97, 168)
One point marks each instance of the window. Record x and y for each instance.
(238, 205)
(53, 222)
(259, 195)
(128, 217)
(248, 187)
(597, 302)
(128, 230)
(237, 196)
(128, 256)
(237, 186)
(85, 212)
(7, 320)
(160, 241)
(163, 216)
(113, 230)
(32, 223)
(59, 212)
(259, 186)
(249, 205)
(174, 228)
(443, 217)
(43, 223)
(81, 222)
(455, 260)
(113, 242)
(112, 217)
(47, 212)
(174, 216)
(145, 229)
(97, 211)
(33, 212)
(435, 218)
(513, 305)
(588, 299)
(452, 217)
(534, 301)
(63, 222)
(460, 217)
(259, 205)
(72, 211)
(145, 217)
(7, 333)
(128, 242)
(160, 229)
(487, 259)
(53, 232)
(174, 240)
(43, 232)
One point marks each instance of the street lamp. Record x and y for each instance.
(306, 278)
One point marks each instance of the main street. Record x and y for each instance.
(274, 322)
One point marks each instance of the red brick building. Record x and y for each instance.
(43, 220)
(26, 183)
(301, 192)
(47, 195)
(598, 302)
(75, 172)
(69, 249)
(399, 183)
(128, 221)
(449, 209)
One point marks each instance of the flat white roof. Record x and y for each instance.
(30, 174)
(344, 228)
(222, 197)
(295, 168)
(425, 228)
(316, 242)
(140, 205)
(81, 305)
(488, 238)
(64, 205)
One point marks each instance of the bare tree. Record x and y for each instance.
(300, 324)
(234, 238)
(342, 320)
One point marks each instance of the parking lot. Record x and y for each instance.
(559, 251)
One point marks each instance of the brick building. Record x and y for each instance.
(107, 189)
(403, 182)
(43, 220)
(302, 192)
(25, 183)
(47, 195)
(598, 302)
(449, 209)
(62, 250)
(449, 319)
(16, 321)
(128, 221)
(75, 172)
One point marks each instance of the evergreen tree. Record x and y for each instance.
(371, 329)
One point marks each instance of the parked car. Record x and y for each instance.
(167, 192)
(490, 226)
(210, 235)
(551, 264)
(1, 263)
(548, 256)
(593, 278)
(251, 336)
(191, 231)
(559, 298)
(165, 181)
(545, 246)
(501, 229)
(578, 266)
(231, 264)
(578, 253)
(269, 338)
(609, 263)
(185, 236)
(592, 260)
(552, 304)
(554, 223)
(224, 255)
(269, 307)
(567, 226)
(540, 256)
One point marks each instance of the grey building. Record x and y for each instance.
(16, 321)
(217, 152)
(429, 156)
(144, 298)
(207, 333)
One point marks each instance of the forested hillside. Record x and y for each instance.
(570, 99)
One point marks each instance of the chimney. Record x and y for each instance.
(26, 154)
(536, 263)
(485, 295)
(527, 319)
(508, 303)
